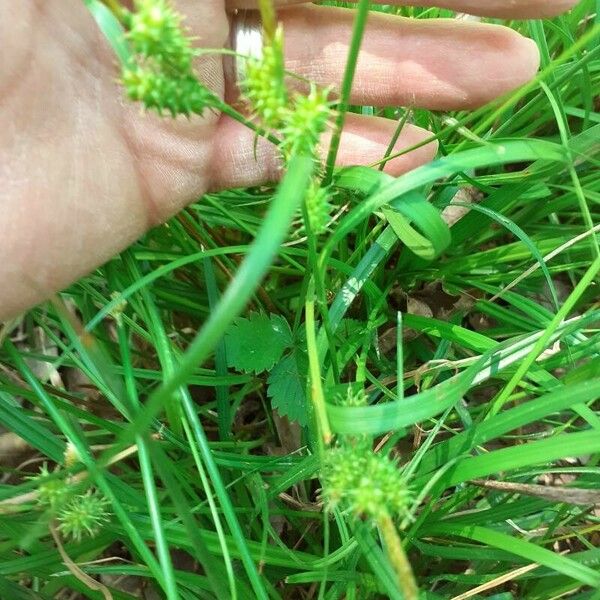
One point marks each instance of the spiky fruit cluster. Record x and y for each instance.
(52, 492)
(155, 30)
(299, 118)
(182, 96)
(354, 397)
(304, 122)
(161, 75)
(318, 207)
(364, 483)
(78, 515)
(83, 516)
(264, 85)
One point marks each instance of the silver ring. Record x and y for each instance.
(246, 41)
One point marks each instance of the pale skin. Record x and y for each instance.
(84, 173)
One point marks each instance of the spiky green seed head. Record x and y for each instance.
(304, 122)
(155, 31)
(160, 93)
(52, 493)
(161, 75)
(363, 483)
(355, 397)
(264, 87)
(84, 516)
(318, 207)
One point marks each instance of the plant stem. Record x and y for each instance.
(316, 386)
(268, 18)
(398, 558)
(317, 273)
(228, 110)
(360, 22)
(114, 7)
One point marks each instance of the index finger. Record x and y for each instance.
(505, 9)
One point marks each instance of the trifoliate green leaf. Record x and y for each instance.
(287, 387)
(257, 343)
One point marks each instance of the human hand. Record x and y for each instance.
(83, 173)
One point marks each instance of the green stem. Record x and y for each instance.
(388, 153)
(228, 110)
(565, 136)
(148, 476)
(360, 22)
(224, 416)
(268, 18)
(316, 385)
(213, 510)
(317, 272)
(224, 498)
(398, 558)
(263, 251)
(114, 7)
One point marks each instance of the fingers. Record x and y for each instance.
(364, 141)
(515, 9)
(439, 64)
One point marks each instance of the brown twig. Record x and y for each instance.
(569, 495)
(75, 570)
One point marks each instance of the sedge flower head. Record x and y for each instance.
(364, 483)
(161, 74)
(52, 492)
(155, 31)
(318, 207)
(264, 85)
(84, 516)
(305, 121)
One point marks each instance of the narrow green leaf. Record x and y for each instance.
(111, 28)
(511, 420)
(518, 547)
(542, 452)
